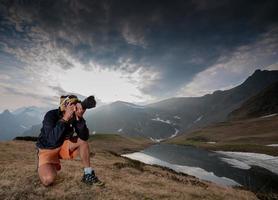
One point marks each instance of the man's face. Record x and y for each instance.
(79, 111)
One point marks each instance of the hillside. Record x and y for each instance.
(173, 116)
(125, 179)
(264, 103)
(168, 118)
(131, 119)
(195, 112)
(249, 135)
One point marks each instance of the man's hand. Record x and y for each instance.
(69, 110)
(79, 111)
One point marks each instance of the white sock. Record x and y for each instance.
(88, 170)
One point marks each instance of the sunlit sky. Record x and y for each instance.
(135, 51)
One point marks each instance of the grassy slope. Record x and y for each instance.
(250, 135)
(125, 179)
(266, 101)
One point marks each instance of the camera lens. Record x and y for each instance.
(89, 102)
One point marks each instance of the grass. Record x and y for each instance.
(118, 143)
(250, 135)
(124, 178)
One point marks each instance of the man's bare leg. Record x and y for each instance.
(84, 151)
(47, 174)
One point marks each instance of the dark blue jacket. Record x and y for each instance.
(54, 131)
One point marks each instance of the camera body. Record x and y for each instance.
(89, 102)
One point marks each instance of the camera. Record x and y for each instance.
(89, 102)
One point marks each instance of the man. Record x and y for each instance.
(56, 141)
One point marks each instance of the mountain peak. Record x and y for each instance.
(259, 72)
(260, 78)
(124, 103)
(6, 111)
(119, 102)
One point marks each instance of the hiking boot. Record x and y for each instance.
(92, 179)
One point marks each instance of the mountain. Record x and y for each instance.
(9, 126)
(29, 116)
(197, 112)
(123, 117)
(263, 104)
(33, 131)
(20, 121)
(167, 118)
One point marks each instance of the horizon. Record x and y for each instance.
(134, 52)
(136, 103)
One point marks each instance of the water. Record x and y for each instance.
(208, 165)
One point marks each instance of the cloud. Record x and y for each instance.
(133, 36)
(272, 67)
(230, 70)
(163, 48)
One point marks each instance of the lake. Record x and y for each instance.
(257, 172)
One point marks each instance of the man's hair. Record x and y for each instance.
(66, 99)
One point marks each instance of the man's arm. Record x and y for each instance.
(81, 128)
(53, 130)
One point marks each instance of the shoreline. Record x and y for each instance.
(239, 147)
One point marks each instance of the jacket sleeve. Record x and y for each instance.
(81, 129)
(53, 129)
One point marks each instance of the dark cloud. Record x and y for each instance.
(178, 39)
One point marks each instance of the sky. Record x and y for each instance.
(137, 51)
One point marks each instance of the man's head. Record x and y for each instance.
(66, 100)
(87, 103)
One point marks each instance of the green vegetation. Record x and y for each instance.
(252, 135)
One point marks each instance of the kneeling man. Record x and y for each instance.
(56, 140)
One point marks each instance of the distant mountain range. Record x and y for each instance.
(170, 117)
(14, 123)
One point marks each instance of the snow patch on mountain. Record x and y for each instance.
(161, 120)
(198, 119)
(272, 145)
(271, 115)
(157, 139)
(22, 126)
(175, 134)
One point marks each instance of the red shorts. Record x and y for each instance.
(53, 156)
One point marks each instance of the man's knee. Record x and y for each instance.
(48, 180)
(83, 142)
(47, 174)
